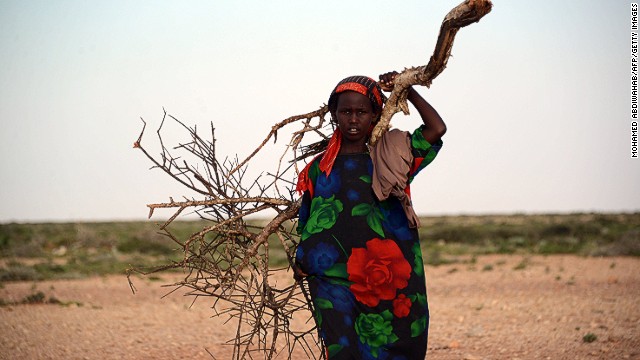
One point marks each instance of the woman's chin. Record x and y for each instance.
(353, 136)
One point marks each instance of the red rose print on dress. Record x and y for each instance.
(401, 306)
(377, 271)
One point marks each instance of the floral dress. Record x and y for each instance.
(364, 264)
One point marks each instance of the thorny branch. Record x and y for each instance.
(229, 260)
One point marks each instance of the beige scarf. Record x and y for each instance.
(392, 161)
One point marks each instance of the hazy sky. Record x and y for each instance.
(536, 96)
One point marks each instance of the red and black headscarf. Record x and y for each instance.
(360, 84)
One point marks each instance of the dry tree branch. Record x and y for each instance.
(194, 203)
(274, 131)
(467, 13)
(229, 261)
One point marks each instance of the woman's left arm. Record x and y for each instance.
(434, 127)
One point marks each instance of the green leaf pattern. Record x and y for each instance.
(373, 214)
(375, 330)
(418, 266)
(323, 215)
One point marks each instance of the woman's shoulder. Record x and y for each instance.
(394, 140)
(396, 135)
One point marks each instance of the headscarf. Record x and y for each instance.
(360, 84)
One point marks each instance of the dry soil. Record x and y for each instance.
(496, 307)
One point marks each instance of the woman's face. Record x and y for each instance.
(354, 116)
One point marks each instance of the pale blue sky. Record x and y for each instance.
(536, 96)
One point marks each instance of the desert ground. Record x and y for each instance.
(489, 307)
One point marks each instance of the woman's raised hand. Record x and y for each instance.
(386, 80)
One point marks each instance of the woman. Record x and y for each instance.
(359, 246)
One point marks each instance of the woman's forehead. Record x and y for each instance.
(352, 98)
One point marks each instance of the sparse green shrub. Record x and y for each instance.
(35, 298)
(555, 230)
(19, 273)
(436, 258)
(522, 264)
(589, 338)
(146, 246)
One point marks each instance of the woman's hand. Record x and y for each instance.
(434, 127)
(386, 80)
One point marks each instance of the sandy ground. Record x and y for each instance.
(482, 310)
